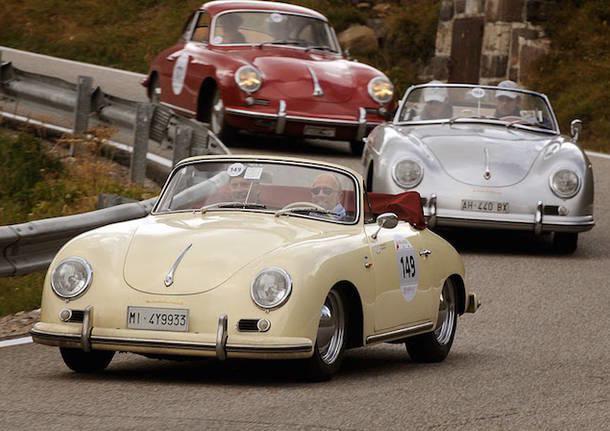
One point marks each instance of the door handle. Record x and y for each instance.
(171, 57)
(425, 252)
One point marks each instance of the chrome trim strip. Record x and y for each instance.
(538, 218)
(515, 225)
(280, 126)
(279, 348)
(299, 118)
(487, 174)
(221, 338)
(317, 90)
(178, 108)
(144, 342)
(169, 278)
(397, 334)
(85, 337)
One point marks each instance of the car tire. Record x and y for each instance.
(435, 346)
(356, 146)
(218, 126)
(330, 340)
(565, 242)
(86, 362)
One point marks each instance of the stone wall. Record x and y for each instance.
(512, 39)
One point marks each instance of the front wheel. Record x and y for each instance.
(86, 362)
(330, 340)
(435, 346)
(565, 242)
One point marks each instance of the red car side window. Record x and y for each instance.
(202, 28)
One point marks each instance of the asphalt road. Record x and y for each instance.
(535, 356)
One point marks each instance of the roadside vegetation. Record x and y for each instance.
(48, 183)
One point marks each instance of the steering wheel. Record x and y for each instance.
(303, 204)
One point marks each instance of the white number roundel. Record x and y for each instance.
(179, 73)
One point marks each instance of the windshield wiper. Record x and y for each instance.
(320, 47)
(305, 209)
(242, 205)
(282, 42)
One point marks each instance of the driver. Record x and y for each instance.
(231, 24)
(242, 189)
(507, 102)
(436, 106)
(326, 191)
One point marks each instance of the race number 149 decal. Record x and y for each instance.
(407, 268)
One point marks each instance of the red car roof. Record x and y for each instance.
(215, 7)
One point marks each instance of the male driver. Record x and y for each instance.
(231, 24)
(507, 102)
(326, 191)
(436, 106)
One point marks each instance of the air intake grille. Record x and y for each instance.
(248, 325)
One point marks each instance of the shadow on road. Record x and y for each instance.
(292, 146)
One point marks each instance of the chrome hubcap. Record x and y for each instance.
(446, 314)
(332, 328)
(217, 119)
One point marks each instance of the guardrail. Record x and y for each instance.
(30, 247)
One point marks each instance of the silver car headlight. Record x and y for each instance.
(271, 288)
(71, 277)
(565, 183)
(248, 78)
(407, 173)
(381, 89)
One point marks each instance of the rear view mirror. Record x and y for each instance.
(385, 221)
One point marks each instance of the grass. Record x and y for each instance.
(50, 184)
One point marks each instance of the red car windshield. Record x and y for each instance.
(234, 28)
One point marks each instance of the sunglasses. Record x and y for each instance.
(327, 191)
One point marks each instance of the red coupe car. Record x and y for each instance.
(269, 68)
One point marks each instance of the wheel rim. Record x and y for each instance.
(332, 328)
(217, 117)
(446, 314)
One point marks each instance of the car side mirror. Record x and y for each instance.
(386, 221)
(575, 129)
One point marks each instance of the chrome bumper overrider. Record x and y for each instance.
(281, 117)
(537, 222)
(90, 338)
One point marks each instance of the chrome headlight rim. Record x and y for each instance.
(286, 296)
(559, 193)
(89, 279)
(372, 82)
(411, 185)
(239, 83)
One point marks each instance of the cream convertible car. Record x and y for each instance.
(250, 257)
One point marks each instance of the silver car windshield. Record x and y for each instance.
(453, 104)
(273, 28)
(285, 189)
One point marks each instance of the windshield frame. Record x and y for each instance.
(461, 120)
(357, 190)
(329, 30)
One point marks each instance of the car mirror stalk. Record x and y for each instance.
(387, 221)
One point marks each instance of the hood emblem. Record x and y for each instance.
(317, 90)
(169, 278)
(487, 174)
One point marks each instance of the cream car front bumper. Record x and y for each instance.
(220, 345)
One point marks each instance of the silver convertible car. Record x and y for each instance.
(485, 157)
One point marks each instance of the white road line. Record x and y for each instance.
(597, 154)
(15, 342)
(79, 63)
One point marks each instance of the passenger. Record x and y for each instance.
(326, 191)
(436, 106)
(508, 102)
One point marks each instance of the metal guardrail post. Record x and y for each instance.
(82, 109)
(182, 144)
(141, 134)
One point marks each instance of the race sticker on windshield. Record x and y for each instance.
(253, 173)
(179, 73)
(236, 169)
(408, 269)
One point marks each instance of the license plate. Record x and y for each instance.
(323, 132)
(158, 319)
(485, 206)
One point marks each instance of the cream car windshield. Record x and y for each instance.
(274, 28)
(280, 189)
(454, 104)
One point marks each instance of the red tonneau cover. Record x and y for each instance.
(407, 206)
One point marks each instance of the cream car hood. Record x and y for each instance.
(222, 244)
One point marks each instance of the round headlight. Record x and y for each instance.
(71, 277)
(248, 78)
(565, 183)
(271, 288)
(381, 89)
(407, 173)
